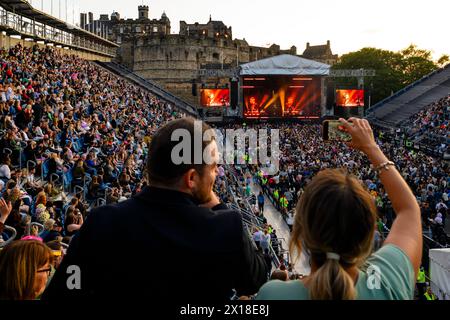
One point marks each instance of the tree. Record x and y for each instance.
(416, 63)
(443, 61)
(387, 65)
(394, 70)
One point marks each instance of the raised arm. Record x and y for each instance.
(406, 231)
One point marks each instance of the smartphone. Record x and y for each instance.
(331, 131)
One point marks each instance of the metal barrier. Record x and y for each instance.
(11, 238)
(22, 145)
(54, 180)
(67, 171)
(86, 181)
(108, 190)
(100, 202)
(38, 225)
(78, 190)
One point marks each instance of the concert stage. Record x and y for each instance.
(282, 87)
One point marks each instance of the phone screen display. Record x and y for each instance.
(332, 131)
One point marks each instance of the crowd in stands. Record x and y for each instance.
(73, 134)
(430, 127)
(433, 119)
(67, 123)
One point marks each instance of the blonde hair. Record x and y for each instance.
(19, 262)
(335, 214)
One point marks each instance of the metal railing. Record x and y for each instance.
(36, 30)
(11, 237)
(150, 85)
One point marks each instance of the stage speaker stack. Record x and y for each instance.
(234, 99)
(194, 88)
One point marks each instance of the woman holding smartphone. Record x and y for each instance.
(335, 222)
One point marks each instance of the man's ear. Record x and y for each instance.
(189, 178)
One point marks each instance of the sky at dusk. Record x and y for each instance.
(349, 24)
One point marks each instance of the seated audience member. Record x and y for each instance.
(74, 221)
(57, 252)
(51, 232)
(24, 270)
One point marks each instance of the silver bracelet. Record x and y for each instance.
(385, 166)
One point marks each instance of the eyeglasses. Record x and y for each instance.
(48, 271)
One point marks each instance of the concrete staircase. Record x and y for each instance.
(396, 110)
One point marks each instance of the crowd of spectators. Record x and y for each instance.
(433, 119)
(304, 153)
(430, 127)
(73, 135)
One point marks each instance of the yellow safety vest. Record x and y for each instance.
(430, 297)
(421, 276)
(283, 202)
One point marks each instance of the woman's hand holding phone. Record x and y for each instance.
(361, 132)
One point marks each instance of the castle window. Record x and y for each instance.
(155, 29)
(216, 56)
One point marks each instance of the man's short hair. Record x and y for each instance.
(279, 275)
(160, 167)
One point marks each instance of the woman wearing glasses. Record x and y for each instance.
(24, 270)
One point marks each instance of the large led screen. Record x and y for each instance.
(350, 98)
(215, 97)
(282, 96)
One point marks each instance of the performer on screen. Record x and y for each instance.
(253, 105)
(210, 99)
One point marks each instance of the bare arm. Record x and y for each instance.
(406, 231)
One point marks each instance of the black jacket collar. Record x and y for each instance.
(154, 194)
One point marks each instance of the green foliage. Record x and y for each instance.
(443, 61)
(394, 70)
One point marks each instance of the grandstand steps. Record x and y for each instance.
(397, 109)
(275, 219)
(149, 85)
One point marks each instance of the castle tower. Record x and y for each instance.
(143, 12)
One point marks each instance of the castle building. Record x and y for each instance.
(320, 53)
(150, 49)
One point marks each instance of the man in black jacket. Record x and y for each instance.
(173, 241)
